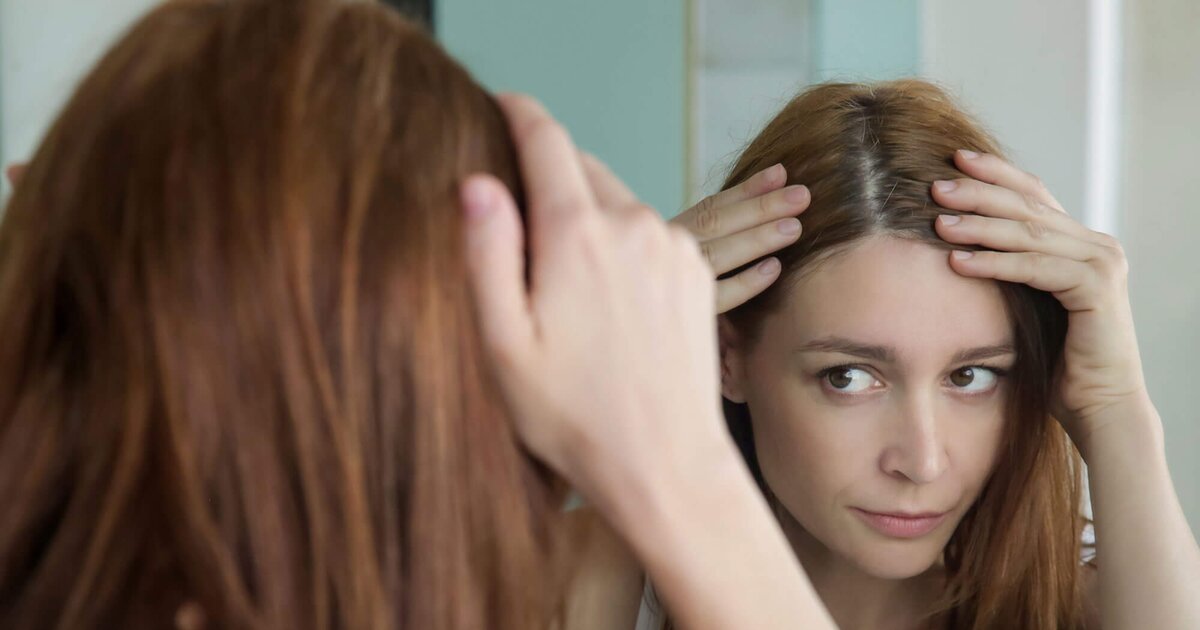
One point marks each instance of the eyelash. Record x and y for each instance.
(823, 375)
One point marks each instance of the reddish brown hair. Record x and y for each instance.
(869, 154)
(240, 364)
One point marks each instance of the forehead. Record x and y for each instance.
(895, 292)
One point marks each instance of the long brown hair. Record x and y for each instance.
(869, 154)
(240, 373)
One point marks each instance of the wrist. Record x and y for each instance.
(1128, 425)
(652, 493)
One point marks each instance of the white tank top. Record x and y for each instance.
(651, 615)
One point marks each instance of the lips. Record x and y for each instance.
(901, 525)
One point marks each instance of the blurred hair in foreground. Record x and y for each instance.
(241, 370)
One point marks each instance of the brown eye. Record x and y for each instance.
(962, 377)
(840, 378)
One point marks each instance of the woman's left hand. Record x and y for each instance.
(1033, 241)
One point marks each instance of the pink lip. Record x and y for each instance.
(901, 525)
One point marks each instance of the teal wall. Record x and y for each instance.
(613, 72)
(866, 40)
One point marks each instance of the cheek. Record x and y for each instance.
(803, 450)
(974, 443)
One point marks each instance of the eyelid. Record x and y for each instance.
(850, 366)
(995, 369)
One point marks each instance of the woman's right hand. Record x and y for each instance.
(742, 224)
(608, 360)
(610, 351)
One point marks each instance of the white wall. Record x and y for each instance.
(45, 48)
(1020, 66)
(1160, 222)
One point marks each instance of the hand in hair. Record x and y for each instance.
(1029, 239)
(741, 225)
(608, 359)
(1149, 562)
(611, 352)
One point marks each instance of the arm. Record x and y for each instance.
(1149, 563)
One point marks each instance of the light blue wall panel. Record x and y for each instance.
(613, 72)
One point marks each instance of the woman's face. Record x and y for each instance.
(877, 397)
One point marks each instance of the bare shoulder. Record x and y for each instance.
(607, 588)
(1089, 578)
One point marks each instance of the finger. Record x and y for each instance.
(1061, 276)
(710, 220)
(737, 290)
(995, 170)
(554, 180)
(972, 195)
(731, 252)
(1012, 236)
(496, 265)
(610, 191)
(14, 172)
(761, 183)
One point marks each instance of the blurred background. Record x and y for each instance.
(1098, 97)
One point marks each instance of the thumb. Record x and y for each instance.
(496, 266)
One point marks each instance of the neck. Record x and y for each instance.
(855, 598)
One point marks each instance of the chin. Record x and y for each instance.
(896, 560)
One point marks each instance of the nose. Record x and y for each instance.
(915, 449)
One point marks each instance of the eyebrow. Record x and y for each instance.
(886, 354)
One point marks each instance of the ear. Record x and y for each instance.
(732, 361)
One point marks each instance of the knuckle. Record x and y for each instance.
(1111, 242)
(645, 217)
(1036, 230)
(707, 220)
(546, 130)
(1113, 262)
(1032, 204)
(1041, 264)
(1036, 182)
(763, 206)
(642, 223)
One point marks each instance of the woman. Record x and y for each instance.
(915, 391)
(254, 376)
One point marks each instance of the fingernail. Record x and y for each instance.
(945, 185)
(950, 219)
(769, 267)
(962, 255)
(970, 155)
(796, 194)
(789, 226)
(476, 199)
(774, 174)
